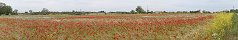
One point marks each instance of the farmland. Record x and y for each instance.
(119, 27)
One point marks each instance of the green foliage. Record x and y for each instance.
(5, 10)
(14, 12)
(234, 10)
(231, 32)
(133, 12)
(45, 11)
(30, 11)
(26, 12)
(139, 9)
(223, 24)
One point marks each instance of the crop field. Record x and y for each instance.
(198, 26)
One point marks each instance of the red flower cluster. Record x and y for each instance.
(104, 26)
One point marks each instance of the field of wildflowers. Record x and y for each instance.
(118, 27)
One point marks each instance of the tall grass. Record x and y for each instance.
(222, 26)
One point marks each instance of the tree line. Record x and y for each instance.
(7, 10)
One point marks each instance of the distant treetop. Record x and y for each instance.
(2, 4)
(139, 9)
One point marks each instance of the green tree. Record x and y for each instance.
(15, 12)
(30, 11)
(45, 11)
(5, 10)
(133, 12)
(139, 9)
(234, 10)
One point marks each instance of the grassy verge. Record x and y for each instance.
(222, 26)
(231, 33)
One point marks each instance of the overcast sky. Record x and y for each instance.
(120, 5)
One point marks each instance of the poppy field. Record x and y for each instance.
(118, 27)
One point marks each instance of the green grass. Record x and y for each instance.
(222, 26)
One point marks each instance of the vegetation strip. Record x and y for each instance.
(223, 25)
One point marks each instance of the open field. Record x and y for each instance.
(120, 27)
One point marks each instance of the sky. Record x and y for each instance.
(121, 5)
